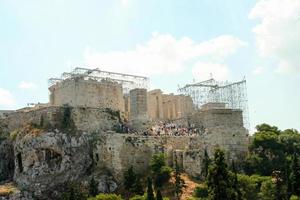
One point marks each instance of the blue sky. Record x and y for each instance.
(172, 42)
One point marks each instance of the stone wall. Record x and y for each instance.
(117, 152)
(138, 104)
(222, 127)
(83, 118)
(89, 93)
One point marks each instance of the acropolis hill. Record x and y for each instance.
(98, 124)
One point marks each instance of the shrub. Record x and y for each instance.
(294, 197)
(160, 171)
(201, 191)
(106, 197)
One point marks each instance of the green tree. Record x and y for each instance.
(280, 187)
(150, 195)
(248, 186)
(93, 190)
(106, 197)
(219, 180)
(267, 190)
(179, 182)
(201, 191)
(270, 150)
(205, 163)
(295, 175)
(129, 178)
(235, 183)
(158, 195)
(160, 171)
(132, 182)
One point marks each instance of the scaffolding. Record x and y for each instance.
(128, 81)
(234, 95)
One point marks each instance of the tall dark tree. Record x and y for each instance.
(205, 163)
(235, 184)
(295, 175)
(179, 182)
(280, 187)
(219, 181)
(160, 171)
(158, 195)
(129, 178)
(93, 190)
(150, 195)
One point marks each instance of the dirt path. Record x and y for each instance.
(190, 186)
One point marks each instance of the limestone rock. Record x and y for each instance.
(50, 159)
(7, 160)
(106, 184)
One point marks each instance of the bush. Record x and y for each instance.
(201, 191)
(294, 197)
(160, 171)
(74, 191)
(106, 197)
(138, 197)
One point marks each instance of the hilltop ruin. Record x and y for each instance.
(98, 124)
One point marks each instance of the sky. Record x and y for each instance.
(173, 42)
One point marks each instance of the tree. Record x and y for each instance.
(160, 171)
(129, 178)
(267, 190)
(132, 182)
(295, 175)
(219, 179)
(235, 183)
(280, 187)
(270, 149)
(158, 195)
(106, 197)
(138, 187)
(93, 190)
(205, 163)
(179, 182)
(150, 195)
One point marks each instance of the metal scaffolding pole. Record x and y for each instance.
(234, 95)
(128, 81)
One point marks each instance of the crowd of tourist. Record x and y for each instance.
(171, 129)
(163, 129)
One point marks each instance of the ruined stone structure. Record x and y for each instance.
(85, 138)
(138, 104)
(168, 106)
(90, 93)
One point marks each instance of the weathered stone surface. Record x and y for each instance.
(50, 159)
(6, 160)
(89, 93)
(18, 195)
(84, 119)
(106, 184)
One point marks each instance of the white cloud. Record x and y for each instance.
(27, 85)
(6, 98)
(204, 71)
(164, 54)
(258, 70)
(277, 34)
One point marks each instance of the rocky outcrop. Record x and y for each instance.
(52, 158)
(6, 160)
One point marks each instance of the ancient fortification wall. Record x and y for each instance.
(117, 152)
(90, 93)
(83, 118)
